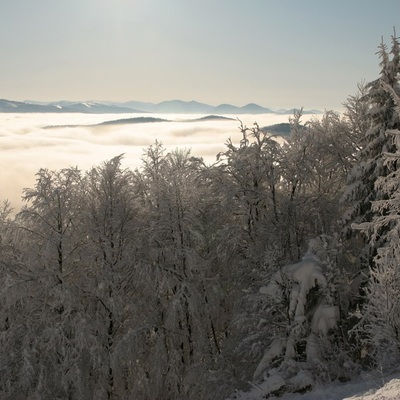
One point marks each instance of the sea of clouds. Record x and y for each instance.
(29, 142)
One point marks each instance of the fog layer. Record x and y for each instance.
(29, 142)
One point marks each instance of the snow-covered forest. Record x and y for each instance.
(271, 271)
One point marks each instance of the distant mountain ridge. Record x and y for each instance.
(144, 120)
(89, 107)
(165, 107)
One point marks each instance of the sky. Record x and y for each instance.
(277, 53)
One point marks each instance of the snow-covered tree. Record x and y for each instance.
(304, 316)
(186, 318)
(366, 189)
(315, 163)
(246, 183)
(247, 178)
(361, 188)
(110, 265)
(43, 302)
(381, 319)
(302, 201)
(51, 218)
(356, 113)
(145, 285)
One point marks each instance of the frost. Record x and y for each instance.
(305, 274)
(271, 384)
(302, 381)
(275, 350)
(324, 319)
(302, 288)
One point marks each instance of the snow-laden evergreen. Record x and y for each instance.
(305, 304)
(381, 319)
(372, 164)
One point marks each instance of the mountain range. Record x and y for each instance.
(165, 107)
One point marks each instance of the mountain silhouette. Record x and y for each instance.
(165, 107)
(89, 107)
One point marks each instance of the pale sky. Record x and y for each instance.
(277, 53)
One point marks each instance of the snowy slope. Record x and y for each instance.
(367, 387)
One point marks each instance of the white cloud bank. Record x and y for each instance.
(27, 143)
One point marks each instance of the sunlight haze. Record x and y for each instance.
(277, 54)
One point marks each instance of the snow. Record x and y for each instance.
(369, 386)
(275, 350)
(298, 279)
(271, 384)
(390, 390)
(324, 318)
(307, 274)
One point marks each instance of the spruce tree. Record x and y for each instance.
(373, 165)
(381, 319)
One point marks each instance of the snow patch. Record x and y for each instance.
(306, 274)
(324, 319)
(390, 391)
(363, 388)
(274, 351)
(291, 288)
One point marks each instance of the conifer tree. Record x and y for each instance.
(381, 318)
(372, 164)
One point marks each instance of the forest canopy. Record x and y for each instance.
(270, 271)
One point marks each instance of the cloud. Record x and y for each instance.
(26, 145)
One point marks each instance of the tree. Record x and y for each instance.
(356, 114)
(52, 217)
(303, 315)
(246, 182)
(75, 292)
(381, 319)
(185, 316)
(361, 188)
(247, 179)
(317, 158)
(362, 235)
(44, 307)
(278, 196)
(110, 265)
